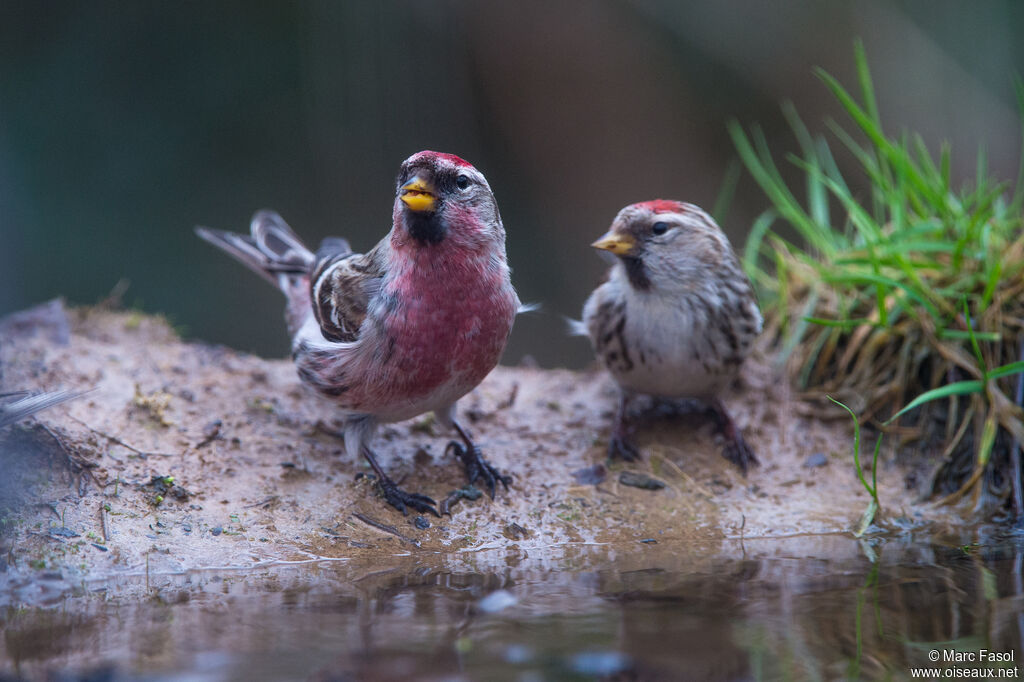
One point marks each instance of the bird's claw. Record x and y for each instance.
(399, 499)
(739, 453)
(478, 467)
(621, 448)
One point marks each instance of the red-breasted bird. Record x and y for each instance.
(676, 318)
(410, 326)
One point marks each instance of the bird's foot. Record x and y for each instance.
(736, 449)
(739, 453)
(619, 447)
(478, 467)
(400, 499)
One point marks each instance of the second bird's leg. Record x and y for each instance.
(475, 464)
(620, 446)
(395, 496)
(736, 449)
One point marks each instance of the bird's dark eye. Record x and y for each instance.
(659, 228)
(462, 182)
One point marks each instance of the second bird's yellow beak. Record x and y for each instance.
(619, 244)
(418, 195)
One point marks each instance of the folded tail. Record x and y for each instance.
(18, 405)
(273, 251)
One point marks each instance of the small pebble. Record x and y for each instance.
(422, 457)
(100, 547)
(818, 459)
(496, 601)
(421, 523)
(590, 475)
(217, 530)
(212, 430)
(63, 532)
(514, 531)
(638, 480)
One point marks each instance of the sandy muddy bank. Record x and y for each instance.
(189, 456)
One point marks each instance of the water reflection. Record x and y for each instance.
(782, 612)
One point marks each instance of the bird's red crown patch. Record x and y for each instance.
(451, 158)
(663, 206)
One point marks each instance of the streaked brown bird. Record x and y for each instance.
(676, 318)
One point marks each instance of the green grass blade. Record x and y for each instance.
(1006, 370)
(869, 513)
(974, 341)
(844, 324)
(754, 153)
(961, 335)
(955, 388)
(863, 278)
(723, 201)
(867, 88)
(755, 241)
(817, 197)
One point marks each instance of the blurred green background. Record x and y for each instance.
(122, 125)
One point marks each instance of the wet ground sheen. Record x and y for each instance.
(800, 608)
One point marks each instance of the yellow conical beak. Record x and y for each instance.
(619, 244)
(418, 195)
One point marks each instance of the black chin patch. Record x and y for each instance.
(426, 228)
(636, 272)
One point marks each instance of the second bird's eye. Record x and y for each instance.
(659, 228)
(462, 182)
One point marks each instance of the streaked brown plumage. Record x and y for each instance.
(677, 316)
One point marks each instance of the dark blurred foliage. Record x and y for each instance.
(122, 125)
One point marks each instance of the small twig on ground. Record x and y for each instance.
(391, 530)
(690, 481)
(115, 439)
(263, 502)
(211, 432)
(103, 522)
(511, 399)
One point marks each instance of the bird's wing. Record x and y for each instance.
(342, 285)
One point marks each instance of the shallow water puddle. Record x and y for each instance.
(818, 607)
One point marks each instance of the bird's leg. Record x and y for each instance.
(475, 464)
(395, 496)
(736, 449)
(620, 445)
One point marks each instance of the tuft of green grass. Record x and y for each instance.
(874, 506)
(861, 285)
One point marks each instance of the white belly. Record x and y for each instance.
(670, 354)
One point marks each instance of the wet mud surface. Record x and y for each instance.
(197, 481)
